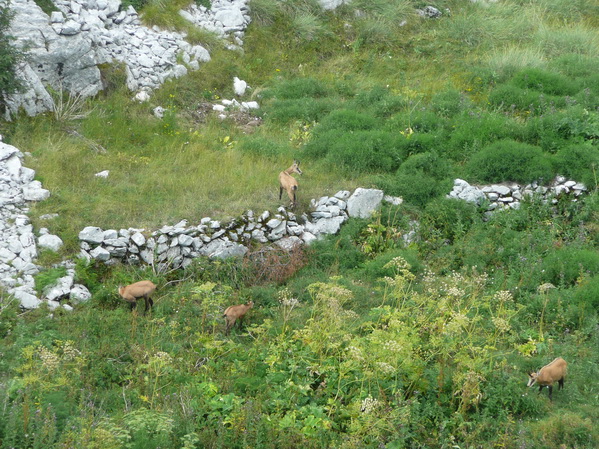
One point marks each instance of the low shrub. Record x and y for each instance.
(449, 103)
(447, 219)
(556, 129)
(48, 278)
(579, 162)
(305, 109)
(346, 120)
(429, 163)
(565, 266)
(565, 429)
(419, 143)
(273, 265)
(415, 188)
(365, 151)
(575, 65)
(543, 81)
(378, 267)
(420, 120)
(472, 131)
(508, 160)
(509, 97)
(296, 89)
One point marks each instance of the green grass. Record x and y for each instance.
(373, 353)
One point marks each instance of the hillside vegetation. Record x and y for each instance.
(358, 341)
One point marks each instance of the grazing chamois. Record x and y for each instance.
(288, 182)
(234, 313)
(548, 375)
(142, 289)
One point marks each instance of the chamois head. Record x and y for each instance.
(532, 379)
(295, 168)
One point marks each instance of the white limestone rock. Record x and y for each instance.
(34, 192)
(364, 202)
(50, 241)
(92, 234)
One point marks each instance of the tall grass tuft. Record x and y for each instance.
(508, 60)
(577, 39)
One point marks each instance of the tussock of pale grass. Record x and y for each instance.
(578, 39)
(508, 60)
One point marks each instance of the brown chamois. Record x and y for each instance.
(288, 182)
(142, 289)
(234, 313)
(548, 375)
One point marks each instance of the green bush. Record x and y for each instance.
(415, 188)
(429, 163)
(419, 143)
(543, 81)
(584, 302)
(447, 219)
(472, 131)
(346, 120)
(305, 109)
(449, 103)
(296, 89)
(420, 120)
(48, 277)
(508, 160)
(364, 151)
(564, 266)
(565, 429)
(376, 268)
(509, 97)
(579, 162)
(576, 66)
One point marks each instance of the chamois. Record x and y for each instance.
(142, 289)
(288, 182)
(548, 375)
(234, 313)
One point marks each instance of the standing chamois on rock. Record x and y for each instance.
(235, 313)
(142, 289)
(548, 375)
(289, 183)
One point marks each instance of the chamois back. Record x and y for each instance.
(234, 313)
(142, 289)
(549, 374)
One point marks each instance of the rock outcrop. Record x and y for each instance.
(65, 49)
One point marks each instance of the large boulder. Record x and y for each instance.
(364, 202)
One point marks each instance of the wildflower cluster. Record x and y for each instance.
(369, 405)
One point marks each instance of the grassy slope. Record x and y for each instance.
(300, 376)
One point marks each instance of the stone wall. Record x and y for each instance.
(176, 246)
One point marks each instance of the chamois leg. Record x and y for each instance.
(148, 302)
(551, 392)
(280, 192)
(540, 389)
(132, 305)
(291, 195)
(561, 384)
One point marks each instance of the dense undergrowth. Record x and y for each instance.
(359, 340)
